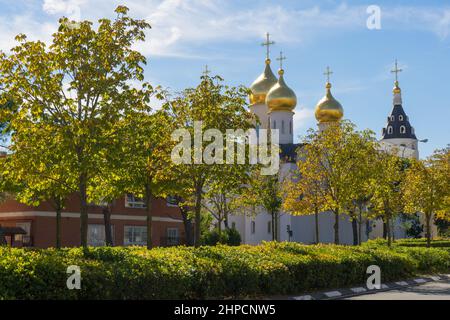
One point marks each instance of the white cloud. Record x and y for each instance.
(185, 28)
(68, 8)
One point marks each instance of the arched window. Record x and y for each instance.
(253, 227)
(403, 129)
(400, 118)
(282, 126)
(274, 124)
(290, 127)
(392, 118)
(390, 130)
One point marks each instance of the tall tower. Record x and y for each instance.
(261, 86)
(328, 109)
(281, 101)
(398, 132)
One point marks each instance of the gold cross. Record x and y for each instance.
(328, 73)
(281, 58)
(206, 72)
(267, 44)
(396, 70)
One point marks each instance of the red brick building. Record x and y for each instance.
(128, 222)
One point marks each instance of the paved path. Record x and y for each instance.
(438, 290)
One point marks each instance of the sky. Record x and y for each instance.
(226, 35)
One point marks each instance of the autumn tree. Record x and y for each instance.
(387, 201)
(427, 188)
(80, 85)
(330, 157)
(200, 153)
(303, 191)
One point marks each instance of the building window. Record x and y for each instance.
(290, 127)
(253, 227)
(24, 238)
(282, 126)
(135, 236)
(172, 237)
(400, 118)
(403, 129)
(274, 124)
(96, 235)
(390, 130)
(172, 201)
(392, 118)
(133, 202)
(233, 225)
(269, 227)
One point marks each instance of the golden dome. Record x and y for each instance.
(281, 97)
(328, 109)
(396, 89)
(261, 86)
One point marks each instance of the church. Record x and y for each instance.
(273, 102)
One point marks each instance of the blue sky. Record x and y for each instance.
(226, 35)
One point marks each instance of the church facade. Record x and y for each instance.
(274, 104)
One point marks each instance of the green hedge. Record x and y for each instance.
(221, 271)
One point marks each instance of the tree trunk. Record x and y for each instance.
(360, 223)
(108, 229)
(355, 231)
(428, 227)
(58, 227)
(83, 210)
(187, 226)
(388, 231)
(336, 227)
(316, 217)
(148, 211)
(198, 207)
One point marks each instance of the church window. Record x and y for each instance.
(253, 227)
(290, 127)
(233, 225)
(402, 129)
(390, 130)
(400, 118)
(392, 118)
(269, 227)
(282, 126)
(274, 124)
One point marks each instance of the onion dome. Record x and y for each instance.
(328, 109)
(261, 86)
(281, 97)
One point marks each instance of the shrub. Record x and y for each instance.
(208, 272)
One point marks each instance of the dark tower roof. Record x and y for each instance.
(398, 125)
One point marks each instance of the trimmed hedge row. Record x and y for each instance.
(205, 272)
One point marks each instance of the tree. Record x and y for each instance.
(79, 85)
(148, 169)
(35, 172)
(303, 194)
(387, 201)
(427, 187)
(263, 192)
(221, 194)
(330, 157)
(211, 105)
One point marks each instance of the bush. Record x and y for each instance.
(230, 237)
(207, 272)
(234, 237)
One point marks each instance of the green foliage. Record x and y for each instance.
(234, 237)
(229, 237)
(208, 272)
